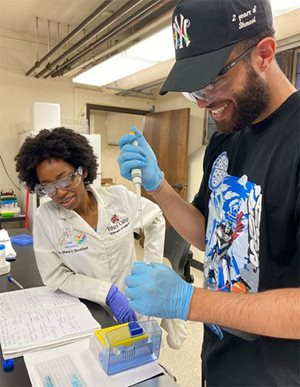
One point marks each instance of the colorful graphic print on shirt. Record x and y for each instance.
(231, 261)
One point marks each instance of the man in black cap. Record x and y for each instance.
(246, 215)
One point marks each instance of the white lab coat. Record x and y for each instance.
(71, 256)
(74, 258)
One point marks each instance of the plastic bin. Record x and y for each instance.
(125, 346)
(22, 239)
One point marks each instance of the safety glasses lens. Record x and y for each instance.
(66, 182)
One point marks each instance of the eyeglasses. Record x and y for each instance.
(70, 181)
(219, 82)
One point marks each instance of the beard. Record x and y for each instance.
(250, 103)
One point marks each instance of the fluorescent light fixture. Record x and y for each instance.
(153, 50)
(282, 6)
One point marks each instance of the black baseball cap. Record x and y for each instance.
(205, 32)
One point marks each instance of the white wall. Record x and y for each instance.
(288, 24)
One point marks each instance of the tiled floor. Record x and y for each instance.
(184, 363)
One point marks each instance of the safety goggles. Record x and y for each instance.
(70, 181)
(220, 83)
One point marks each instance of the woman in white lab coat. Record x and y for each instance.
(83, 237)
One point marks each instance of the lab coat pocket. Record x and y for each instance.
(176, 332)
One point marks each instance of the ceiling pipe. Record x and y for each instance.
(37, 37)
(141, 88)
(48, 37)
(92, 16)
(134, 91)
(134, 19)
(123, 10)
(125, 92)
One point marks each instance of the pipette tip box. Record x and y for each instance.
(124, 346)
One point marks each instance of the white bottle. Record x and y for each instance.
(2, 255)
(4, 266)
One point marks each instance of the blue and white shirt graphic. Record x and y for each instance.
(232, 238)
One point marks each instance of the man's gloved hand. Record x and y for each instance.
(156, 290)
(118, 304)
(141, 156)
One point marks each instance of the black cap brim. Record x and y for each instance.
(194, 73)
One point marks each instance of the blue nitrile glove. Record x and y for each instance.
(141, 156)
(118, 304)
(156, 290)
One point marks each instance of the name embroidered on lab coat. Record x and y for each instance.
(73, 250)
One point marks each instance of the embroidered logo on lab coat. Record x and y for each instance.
(114, 219)
(71, 241)
(117, 224)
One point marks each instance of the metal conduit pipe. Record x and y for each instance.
(37, 36)
(141, 88)
(123, 10)
(77, 29)
(134, 19)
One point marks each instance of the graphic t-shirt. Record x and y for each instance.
(232, 236)
(250, 196)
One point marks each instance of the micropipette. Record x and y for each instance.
(136, 174)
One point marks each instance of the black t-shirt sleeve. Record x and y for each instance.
(199, 198)
(297, 219)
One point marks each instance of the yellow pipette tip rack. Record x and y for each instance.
(119, 335)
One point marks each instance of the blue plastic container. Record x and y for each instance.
(22, 239)
(126, 346)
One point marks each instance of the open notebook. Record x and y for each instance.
(40, 318)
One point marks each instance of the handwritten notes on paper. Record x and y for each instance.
(41, 318)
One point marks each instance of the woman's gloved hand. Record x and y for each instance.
(156, 290)
(118, 304)
(141, 156)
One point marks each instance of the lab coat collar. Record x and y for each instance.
(66, 214)
(95, 192)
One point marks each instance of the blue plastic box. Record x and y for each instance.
(22, 239)
(125, 346)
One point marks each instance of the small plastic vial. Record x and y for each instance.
(2, 255)
(4, 266)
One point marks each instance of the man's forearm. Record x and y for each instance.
(273, 313)
(183, 216)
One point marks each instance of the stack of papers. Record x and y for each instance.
(40, 318)
(75, 365)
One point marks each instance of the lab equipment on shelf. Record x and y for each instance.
(9, 204)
